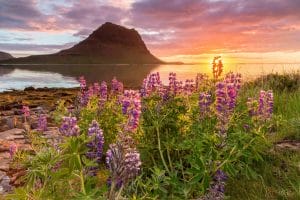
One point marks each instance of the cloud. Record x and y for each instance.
(203, 25)
(16, 47)
(189, 26)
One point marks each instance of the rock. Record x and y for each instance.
(29, 88)
(5, 185)
(289, 144)
(12, 134)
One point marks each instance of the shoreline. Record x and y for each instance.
(35, 97)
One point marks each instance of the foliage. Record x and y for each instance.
(179, 141)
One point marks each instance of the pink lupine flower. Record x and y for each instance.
(13, 149)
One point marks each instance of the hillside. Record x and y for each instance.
(110, 43)
(5, 56)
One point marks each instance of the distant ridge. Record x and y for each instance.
(5, 56)
(109, 44)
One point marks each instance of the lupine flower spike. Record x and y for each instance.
(217, 188)
(205, 101)
(217, 67)
(42, 123)
(123, 161)
(131, 107)
(13, 149)
(95, 145)
(69, 126)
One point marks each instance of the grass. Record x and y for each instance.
(279, 175)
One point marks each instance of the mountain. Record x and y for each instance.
(5, 56)
(110, 43)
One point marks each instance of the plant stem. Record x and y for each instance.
(81, 176)
(160, 150)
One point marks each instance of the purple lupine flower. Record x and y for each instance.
(269, 103)
(200, 79)
(96, 89)
(84, 93)
(103, 90)
(103, 94)
(42, 123)
(69, 127)
(82, 82)
(126, 100)
(26, 111)
(226, 94)
(252, 105)
(123, 161)
(172, 81)
(143, 90)
(90, 91)
(217, 188)
(131, 106)
(97, 141)
(151, 84)
(116, 86)
(189, 86)
(13, 149)
(234, 79)
(175, 86)
(132, 163)
(205, 101)
(232, 94)
(264, 107)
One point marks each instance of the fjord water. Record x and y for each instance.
(38, 76)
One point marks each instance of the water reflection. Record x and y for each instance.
(20, 76)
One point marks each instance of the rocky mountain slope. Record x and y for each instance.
(110, 43)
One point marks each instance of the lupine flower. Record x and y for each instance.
(234, 79)
(205, 101)
(263, 108)
(82, 82)
(13, 149)
(84, 98)
(84, 93)
(151, 84)
(26, 111)
(97, 140)
(200, 79)
(217, 67)
(123, 161)
(143, 90)
(175, 86)
(226, 94)
(135, 114)
(252, 105)
(116, 86)
(131, 106)
(103, 94)
(69, 126)
(189, 86)
(42, 123)
(96, 89)
(90, 92)
(217, 188)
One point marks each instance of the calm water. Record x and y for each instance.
(19, 77)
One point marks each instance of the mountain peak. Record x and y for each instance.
(110, 43)
(5, 56)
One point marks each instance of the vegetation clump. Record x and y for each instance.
(192, 140)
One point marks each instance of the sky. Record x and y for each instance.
(241, 31)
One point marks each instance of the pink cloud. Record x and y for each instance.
(189, 26)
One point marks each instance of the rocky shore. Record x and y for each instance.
(14, 129)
